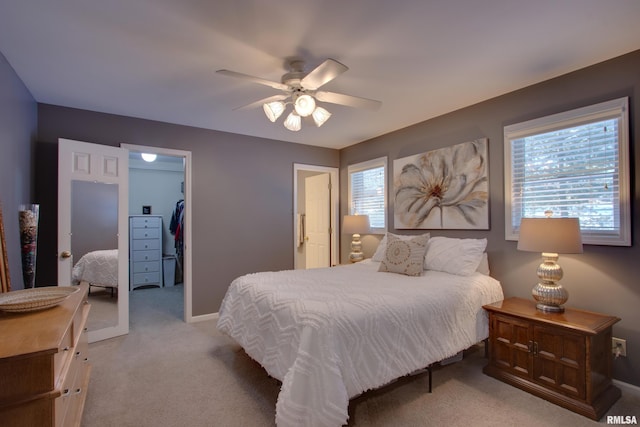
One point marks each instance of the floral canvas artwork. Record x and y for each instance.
(446, 188)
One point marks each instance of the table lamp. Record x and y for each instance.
(356, 225)
(550, 236)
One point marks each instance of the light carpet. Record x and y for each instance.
(169, 373)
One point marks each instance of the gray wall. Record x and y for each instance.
(603, 278)
(18, 121)
(242, 191)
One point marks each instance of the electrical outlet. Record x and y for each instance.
(618, 344)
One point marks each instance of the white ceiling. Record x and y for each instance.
(156, 59)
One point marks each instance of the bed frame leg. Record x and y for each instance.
(430, 369)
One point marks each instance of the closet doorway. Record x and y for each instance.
(315, 216)
(170, 173)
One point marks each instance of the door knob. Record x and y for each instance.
(65, 254)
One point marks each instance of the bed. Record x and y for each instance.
(97, 268)
(330, 334)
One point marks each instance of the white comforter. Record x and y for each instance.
(330, 334)
(97, 268)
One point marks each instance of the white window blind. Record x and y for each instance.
(367, 191)
(574, 164)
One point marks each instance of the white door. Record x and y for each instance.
(93, 215)
(318, 225)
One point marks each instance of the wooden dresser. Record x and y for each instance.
(564, 358)
(44, 369)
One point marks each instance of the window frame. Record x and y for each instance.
(614, 109)
(366, 165)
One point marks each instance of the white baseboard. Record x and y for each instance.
(204, 317)
(628, 389)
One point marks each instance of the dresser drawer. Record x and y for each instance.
(62, 358)
(146, 233)
(146, 267)
(142, 256)
(67, 390)
(140, 279)
(146, 222)
(146, 244)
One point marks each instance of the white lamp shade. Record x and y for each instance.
(293, 122)
(148, 157)
(305, 105)
(273, 110)
(355, 224)
(320, 115)
(554, 235)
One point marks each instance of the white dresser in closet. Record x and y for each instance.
(145, 251)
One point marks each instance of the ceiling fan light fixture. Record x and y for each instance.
(293, 122)
(320, 115)
(305, 105)
(273, 110)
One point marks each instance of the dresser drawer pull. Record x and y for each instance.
(78, 391)
(65, 349)
(66, 392)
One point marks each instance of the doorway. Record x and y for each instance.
(177, 256)
(324, 215)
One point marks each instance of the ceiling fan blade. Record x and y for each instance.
(323, 73)
(254, 79)
(261, 102)
(348, 100)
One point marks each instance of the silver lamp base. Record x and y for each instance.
(356, 249)
(550, 297)
(548, 293)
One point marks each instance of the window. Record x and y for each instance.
(575, 164)
(367, 192)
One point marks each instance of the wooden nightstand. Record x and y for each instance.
(564, 358)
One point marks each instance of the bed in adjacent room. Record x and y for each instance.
(330, 334)
(97, 268)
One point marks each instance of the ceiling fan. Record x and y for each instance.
(301, 89)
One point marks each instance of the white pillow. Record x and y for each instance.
(382, 246)
(405, 256)
(455, 256)
(483, 267)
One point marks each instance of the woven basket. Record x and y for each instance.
(34, 299)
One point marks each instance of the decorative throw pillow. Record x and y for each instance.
(455, 256)
(382, 246)
(404, 256)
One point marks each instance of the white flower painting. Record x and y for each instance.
(446, 188)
